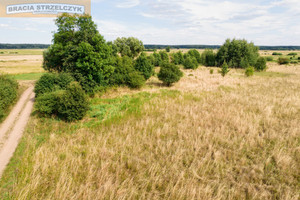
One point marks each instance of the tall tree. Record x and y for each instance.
(130, 47)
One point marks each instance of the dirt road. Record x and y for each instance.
(11, 130)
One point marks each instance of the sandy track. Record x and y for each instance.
(13, 127)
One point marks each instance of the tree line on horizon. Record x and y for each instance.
(151, 47)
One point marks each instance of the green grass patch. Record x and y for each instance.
(272, 74)
(26, 77)
(6, 52)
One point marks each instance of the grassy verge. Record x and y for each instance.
(29, 76)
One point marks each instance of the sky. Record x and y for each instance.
(174, 22)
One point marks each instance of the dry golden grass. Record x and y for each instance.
(207, 137)
(20, 64)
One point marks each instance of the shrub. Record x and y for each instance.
(211, 71)
(177, 58)
(169, 73)
(233, 51)
(8, 93)
(168, 49)
(157, 59)
(244, 63)
(249, 71)
(294, 62)
(292, 54)
(283, 61)
(194, 53)
(143, 65)
(135, 80)
(190, 62)
(276, 54)
(260, 64)
(164, 56)
(298, 58)
(269, 58)
(51, 81)
(224, 69)
(73, 103)
(70, 104)
(208, 58)
(47, 103)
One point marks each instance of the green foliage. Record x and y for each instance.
(292, 54)
(195, 54)
(164, 56)
(244, 63)
(135, 79)
(130, 47)
(79, 49)
(249, 71)
(294, 62)
(50, 82)
(190, 62)
(70, 104)
(73, 103)
(224, 69)
(208, 58)
(269, 58)
(177, 58)
(233, 51)
(283, 61)
(125, 73)
(261, 64)
(276, 54)
(47, 104)
(157, 59)
(211, 71)
(298, 58)
(169, 73)
(143, 65)
(168, 49)
(8, 93)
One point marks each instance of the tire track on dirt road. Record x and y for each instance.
(13, 127)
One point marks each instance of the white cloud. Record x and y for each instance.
(128, 3)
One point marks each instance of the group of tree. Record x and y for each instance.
(80, 62)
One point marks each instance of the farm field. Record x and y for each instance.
(206, 137)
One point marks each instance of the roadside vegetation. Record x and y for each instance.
(8, 94)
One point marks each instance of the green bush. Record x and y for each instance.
(169, 73)
(233, 51)
(143, 65)
(224, 69)
(298, 58)
(292, 54)
(261, 64)
(52, 81)
(249, 71)
(69, 105)
(177, 58)
(294, 62)
(211, 71)
(283, 61)
(194, 53)
(208, 58)
(47, 103)
(164, 56)
(135, 79)
(125, 73)
(244, 63)
(157, 59)
(269, 58)
(73, 103)
(276, 54)
(190, 62)
(8, 93)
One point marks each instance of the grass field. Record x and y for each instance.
(207, 137)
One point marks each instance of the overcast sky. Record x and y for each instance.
(264, 22)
